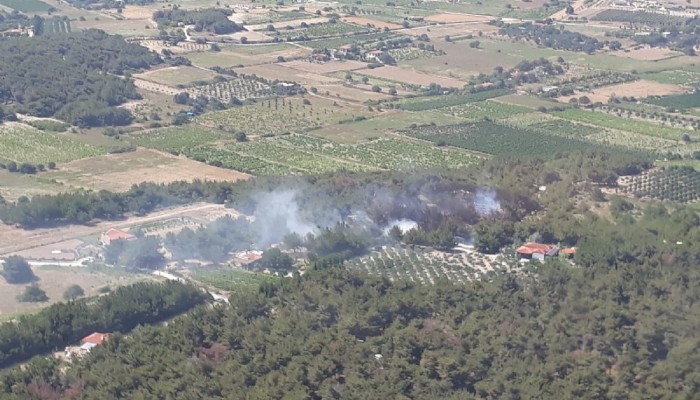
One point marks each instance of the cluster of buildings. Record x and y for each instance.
(653, 7)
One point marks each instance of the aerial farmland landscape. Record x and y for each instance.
(353, 199)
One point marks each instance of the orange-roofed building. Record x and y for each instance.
(95, 338)
(537, 251)
(114, 235)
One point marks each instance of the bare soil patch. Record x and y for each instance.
(638, 89)
(453, 30)
(176, 75)
(137, 12)
(280, 71)
(351, 94)
(449, 18)
(251, 36)
(327, 67)
(374, 22)
(646, 53)
(462, 61)
(118, 172)
(411, 76)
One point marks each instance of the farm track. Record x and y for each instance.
(17, 239)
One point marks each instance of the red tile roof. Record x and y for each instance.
(116, 234)
(95, 338)
(534, 248)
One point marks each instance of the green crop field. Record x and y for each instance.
(624, 124)
(23, 143)
(680, 101)
(230, 279)
(499, 140)
(178, 139)
(433, 102)
(27, 6)
(324, 30)
(484, 109)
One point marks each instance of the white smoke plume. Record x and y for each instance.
(486, 202)
(277, 213)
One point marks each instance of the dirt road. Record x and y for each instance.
(14, 239)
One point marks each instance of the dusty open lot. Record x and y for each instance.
(327, 67)
(137, 12)
(54, 281)
(410, 76)
(118, 172)
(450, 18)
(638, 89)
(176, 75)
(462, 61)
(453, 30)
(352, 94)
(646, 53)
(374, 22)
(61, 251)
(277, 71)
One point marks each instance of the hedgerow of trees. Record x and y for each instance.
(214, 20)
(72, 77)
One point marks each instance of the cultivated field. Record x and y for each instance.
(327, 67)
(409, 76)
(118, 172)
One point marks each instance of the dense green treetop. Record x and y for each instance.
(72, 77)
(16, 269)
(621, 324)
